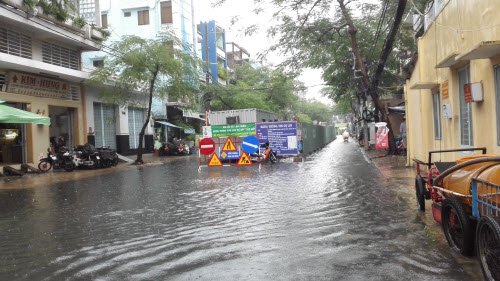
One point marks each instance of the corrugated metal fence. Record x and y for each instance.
(315, 137)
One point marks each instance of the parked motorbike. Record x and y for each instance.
(108, 156)
(87, 156)
(267, 154)
(182, 148)
(400, 146)
(63, 159)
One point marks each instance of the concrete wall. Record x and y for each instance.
(459, 28)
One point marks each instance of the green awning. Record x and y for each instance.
(9, 114)
(168, 124)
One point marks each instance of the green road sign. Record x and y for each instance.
(238, 130)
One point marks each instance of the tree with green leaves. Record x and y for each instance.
(270, 90)
(360, 47)
(143, 69)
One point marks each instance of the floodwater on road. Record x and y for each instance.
(333, 217)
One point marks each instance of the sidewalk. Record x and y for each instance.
(32, 180)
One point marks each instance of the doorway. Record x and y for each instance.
(62, 126)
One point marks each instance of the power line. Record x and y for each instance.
(379, 26)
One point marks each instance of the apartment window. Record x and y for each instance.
(166, 12)
(15, 43)
(98, 63)
(143, 17)
(466, 137)
(127, 14)
(497, 91)
(60, 56)
(104, 20)
(436, 108)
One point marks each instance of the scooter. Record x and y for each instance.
(87, 156)
(61, 160)
(267, 154)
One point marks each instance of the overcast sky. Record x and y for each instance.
(257, 42)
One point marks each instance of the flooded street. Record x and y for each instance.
(333, 217)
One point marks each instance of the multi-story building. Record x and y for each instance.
(40, 71)
(119, 127)
(212, 48)
(236, 55)
(453, 93)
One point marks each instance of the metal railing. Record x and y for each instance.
(485, 198)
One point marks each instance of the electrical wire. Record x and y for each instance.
(379, 25)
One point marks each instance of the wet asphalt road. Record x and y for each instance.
(330, 218)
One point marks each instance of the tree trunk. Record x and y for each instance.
(386, 51)
(152, 82)
(370, 86)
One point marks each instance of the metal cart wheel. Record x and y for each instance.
(420, 192)
(488, 247)
(457, 226)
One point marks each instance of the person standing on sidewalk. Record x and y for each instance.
(402, 131)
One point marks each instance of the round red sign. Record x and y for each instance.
(207, 146)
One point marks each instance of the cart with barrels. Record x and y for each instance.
(465, 199)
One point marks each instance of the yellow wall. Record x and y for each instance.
(38, 135)
(461, 26)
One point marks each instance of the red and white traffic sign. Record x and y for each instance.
(207, 146)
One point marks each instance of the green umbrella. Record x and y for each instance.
(10, 114)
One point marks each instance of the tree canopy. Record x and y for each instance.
(270, 90)
(141, 69)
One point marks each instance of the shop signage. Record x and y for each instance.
(282, 136)
(444, 90)
(473, 92)
(38, 86)
(236, 130)
(468, 93)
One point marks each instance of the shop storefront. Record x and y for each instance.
(49, 97)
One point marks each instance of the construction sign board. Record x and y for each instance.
(230, 155)
(244, 160)
(282, 136)
(214, 161)
(229, 145)
(234, 130)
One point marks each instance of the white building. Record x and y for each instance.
(147, 19)
(40, 71)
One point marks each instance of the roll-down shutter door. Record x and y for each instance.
(135, 123)
(105, 125)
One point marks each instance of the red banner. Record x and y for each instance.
(382, 138)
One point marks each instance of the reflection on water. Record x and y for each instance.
(330, 218)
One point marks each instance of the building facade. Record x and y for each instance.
(119, 127)
(453, 93)
(212, 50)
(40, 71)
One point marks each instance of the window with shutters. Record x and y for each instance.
(143, 17)
(104, 20)
(466, 137)
(60, 56)
(2, 82)
(15, 43)
(436, 108)
(166, 12)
